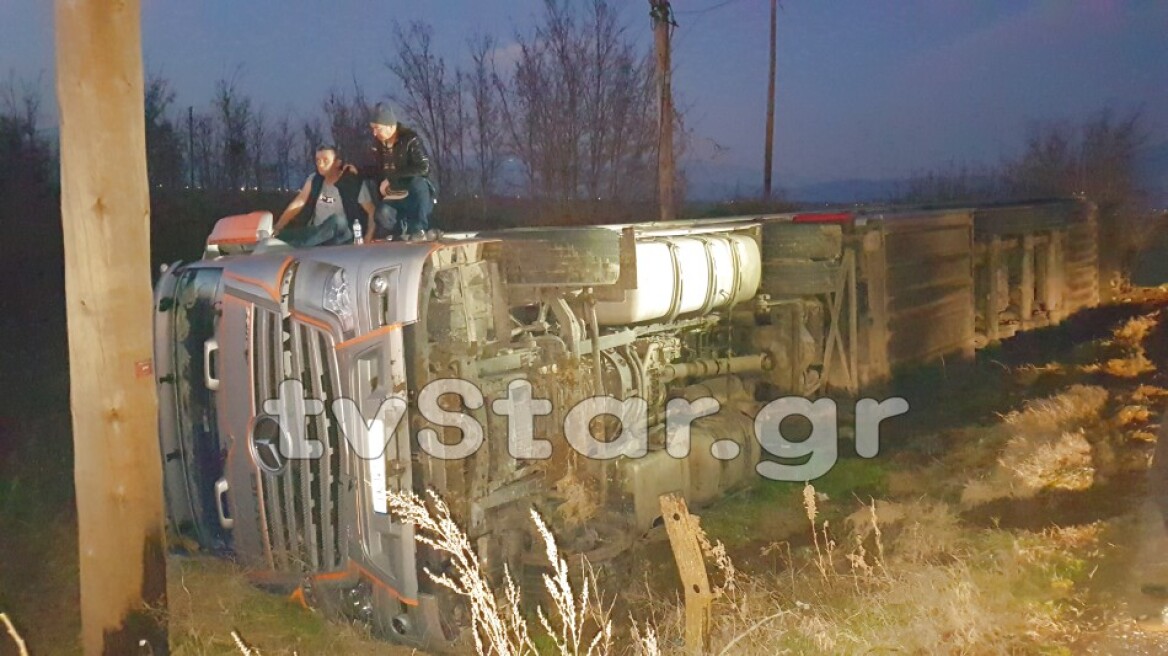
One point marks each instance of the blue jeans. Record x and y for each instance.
(333, 230)
(408, 215)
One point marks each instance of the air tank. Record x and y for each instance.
(683, 275)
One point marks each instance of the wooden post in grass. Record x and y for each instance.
(105, 210)
(683, 529)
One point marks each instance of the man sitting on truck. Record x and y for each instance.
(330, 200)
(400, 172)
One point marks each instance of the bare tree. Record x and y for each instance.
(205, 147)
(24, 154)
(20, 104)
(429, 100)
(164, 148)
(579, 107)
(459, 135)
(484, 136)
(1096, 160)
(1108, 150)
(257, 146)
(27, 171)
(283, 146)
(547, 88)
(313, 137)
(965, 183)
(348, 120)
(621, 97)
(233, 110)
(1049, 165)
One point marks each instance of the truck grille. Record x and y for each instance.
(300, 504)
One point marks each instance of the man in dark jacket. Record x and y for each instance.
(328, 203)
(400, 172)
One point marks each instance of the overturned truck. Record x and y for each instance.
(582, 372)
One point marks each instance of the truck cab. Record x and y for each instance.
(299, 387)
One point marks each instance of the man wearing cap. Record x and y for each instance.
(330, 200)
(400, 173)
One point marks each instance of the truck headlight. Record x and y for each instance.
(337, 300)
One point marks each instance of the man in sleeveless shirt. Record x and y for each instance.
(323, 211)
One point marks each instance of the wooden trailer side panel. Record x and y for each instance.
(920, 291)
(1035, 265)
(1082, 263)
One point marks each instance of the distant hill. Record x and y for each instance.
(719, 182)
(710, 182)
(847, 191)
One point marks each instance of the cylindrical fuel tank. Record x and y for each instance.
(682, 275)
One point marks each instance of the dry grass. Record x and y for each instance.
(1129, 338)
(911, 579)
(496, 624)
(579, 624)
(1135, 331)
(917, 589)
(14, 634)
(244, 648)
(916, 531)
(1046, 448)
(1078, 405)
(907, 576)
(1133, 366)
(212, 606)
(1132, 415)
(1148, 394)
(1029, 374)
(645, 639)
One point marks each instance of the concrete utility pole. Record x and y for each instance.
(105, 211)
(663, 25)
(770, 126)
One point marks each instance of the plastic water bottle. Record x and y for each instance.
(357, 238)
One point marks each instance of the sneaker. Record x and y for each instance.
(415, 236)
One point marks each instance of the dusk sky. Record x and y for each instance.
(867, 89)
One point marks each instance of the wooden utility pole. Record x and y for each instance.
(663, 25)
(770, 126)
(191, 143)
(105, 210)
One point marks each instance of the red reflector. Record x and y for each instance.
(823, 217)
